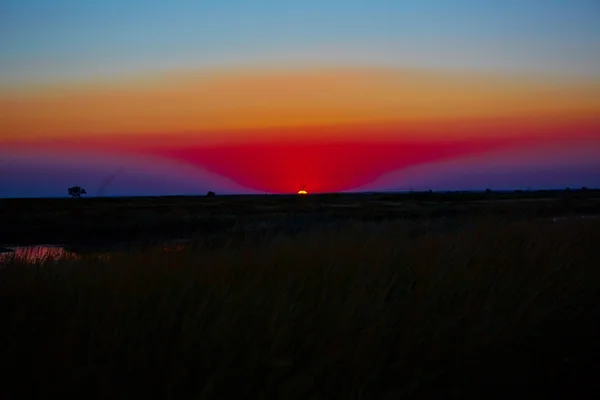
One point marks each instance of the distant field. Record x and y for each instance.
(490, 307)
(59, 221)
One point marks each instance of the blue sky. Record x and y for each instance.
(66, 38)
(53, 41)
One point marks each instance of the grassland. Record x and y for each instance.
(478, 304)
(103, 221)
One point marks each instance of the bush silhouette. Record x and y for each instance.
(210, 194)
(76, 191)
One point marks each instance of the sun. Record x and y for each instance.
(302, 190)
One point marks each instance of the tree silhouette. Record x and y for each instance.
(210, 194)
(76, 191)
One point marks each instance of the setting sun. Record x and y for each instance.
(302, 191)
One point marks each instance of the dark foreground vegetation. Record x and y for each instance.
(489, 308)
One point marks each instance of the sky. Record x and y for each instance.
(147, 98)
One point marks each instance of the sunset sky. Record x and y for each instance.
(144, 98)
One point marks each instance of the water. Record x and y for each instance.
(35, 254)
(565, 218)
(43, 253)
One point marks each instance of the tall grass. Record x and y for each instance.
(372, 311)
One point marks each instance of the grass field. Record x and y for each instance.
(476, 305)
(102, 221)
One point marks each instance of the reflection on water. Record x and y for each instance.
(35, 254)
(44, 253)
